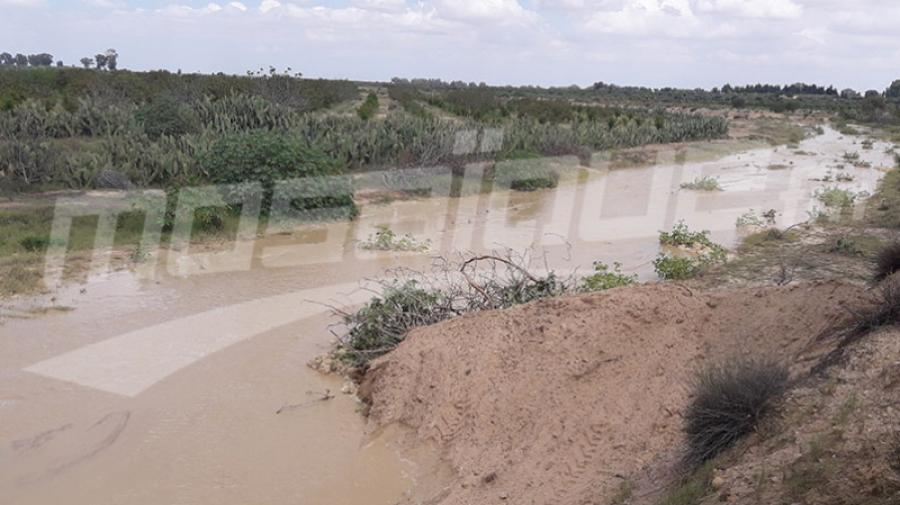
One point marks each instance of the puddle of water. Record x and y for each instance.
(162, 385)
(206, 434)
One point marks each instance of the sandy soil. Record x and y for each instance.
(564, 400)
(834, 442)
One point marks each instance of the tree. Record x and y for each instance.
(101, 61)
(59, 64)
(21, 60)
(87, 62)
(6, 59)
(40, 60)
(894, 90)
(112, 59)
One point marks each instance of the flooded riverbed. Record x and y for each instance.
(164, 385)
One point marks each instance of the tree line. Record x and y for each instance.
(21, 60)
(108, 60)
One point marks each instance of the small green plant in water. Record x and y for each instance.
(833, 197)
(703, 184)
(386, 240)
(844, 177)
(676, 268)
(605, 278)
(748, 219)
(682, 236)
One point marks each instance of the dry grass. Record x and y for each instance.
(730, 400)
(887, 262)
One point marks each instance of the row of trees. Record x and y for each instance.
(800, 88)
(108, 60)
(21, 60)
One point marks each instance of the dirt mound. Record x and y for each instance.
(566, 401)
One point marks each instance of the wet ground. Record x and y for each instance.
(164, 385)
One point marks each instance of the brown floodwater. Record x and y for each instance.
(184, 380)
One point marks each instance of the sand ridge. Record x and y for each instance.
(562, 400)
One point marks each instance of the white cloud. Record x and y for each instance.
(178, 10)
(817, 35)
(269, 5)
(22, 3)
(783, 9)
(237, 6)
(502, 11)
(381, 5)
(107, 4)
(647, 18)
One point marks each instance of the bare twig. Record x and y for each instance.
(325, 396)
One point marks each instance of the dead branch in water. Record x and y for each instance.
(325, 396)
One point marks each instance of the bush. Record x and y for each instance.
(676, 268)
(476, 103)
(729, 401)
(887, 262)
(368, 109)
(382, 323)
(269, 158)
(703, 184)
(386, 240)
(682, 236)
(206, 218)
(605, 278)
(166, 116)
(836, 198)
(525, 174)
(885, 311)
(34, 244)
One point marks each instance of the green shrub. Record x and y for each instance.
(703, 184)
(206, 218)
(272, 158)
(682, 236)
(369, 107)
(605, 278)
(525, 174)
(34, 243)
(476, 103)
(382, 323)
(166, 116)
(836, 197)
(386, 240)
(676, 268)
(729, 400)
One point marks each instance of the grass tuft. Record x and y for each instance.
(729, 401)
(887, 262)
(703, 184)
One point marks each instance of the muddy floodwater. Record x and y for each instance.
(184, 381)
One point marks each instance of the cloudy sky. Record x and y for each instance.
(683, 43)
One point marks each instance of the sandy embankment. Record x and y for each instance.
(563, 400)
